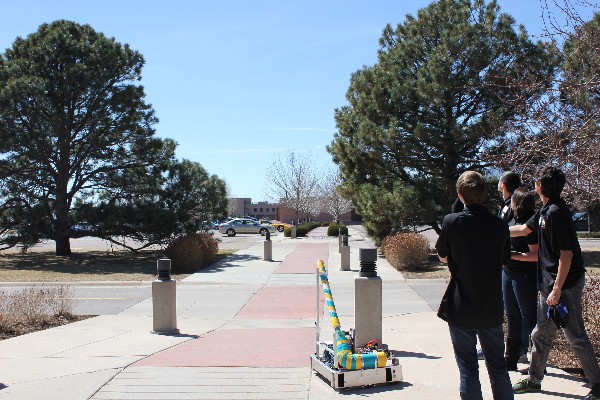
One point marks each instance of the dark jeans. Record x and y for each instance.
(491, 340)
(575, 333)
(520, 292)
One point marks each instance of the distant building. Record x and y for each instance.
(243, 206)
(286, 214)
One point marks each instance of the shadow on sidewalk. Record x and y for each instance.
(399, 353)
(375, 389)
(230, 261)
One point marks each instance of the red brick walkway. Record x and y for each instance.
(304, 259)
(260, 347)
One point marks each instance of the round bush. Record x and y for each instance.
(406, 251)
(302, 229)
(334, 229)
(189, 253)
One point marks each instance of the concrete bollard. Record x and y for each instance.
(340, 238)
(293, 235)
(268, 248)
(164, 300)
(345, 260)
(368, 299)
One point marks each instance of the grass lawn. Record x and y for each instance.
(84, 266)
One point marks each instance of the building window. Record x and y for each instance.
(255, 210)
(273, 209)
(261, 210)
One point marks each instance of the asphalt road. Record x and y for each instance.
(110, 298)
(91, 299)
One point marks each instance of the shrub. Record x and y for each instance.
(33, 306)
(302, 229)
(406, 251)
(60, 301)
(334, 229)
(191, 252)
(561, 353)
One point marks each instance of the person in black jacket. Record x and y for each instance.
(562, 278)
(507, 184)
(519, 282)
(475, 244)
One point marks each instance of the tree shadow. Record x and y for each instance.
(107, 263)
(87, 262)
(229, 261)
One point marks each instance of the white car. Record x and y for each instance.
(244, 225)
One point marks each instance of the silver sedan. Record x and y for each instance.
(243, 225)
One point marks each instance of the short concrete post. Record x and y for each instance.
(368, 299)
(293, 232)
(268, 248)
(345, 261)
(340, 238)
(164, 300)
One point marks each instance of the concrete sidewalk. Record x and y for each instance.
(247, 330)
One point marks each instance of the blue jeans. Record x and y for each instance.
(545, 331)
(491, 340)
(519, 289)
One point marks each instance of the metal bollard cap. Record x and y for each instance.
(163, 267)
(368, 262)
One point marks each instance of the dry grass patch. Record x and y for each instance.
(433, 268)
(34, 309)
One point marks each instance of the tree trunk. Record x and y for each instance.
(63, 246)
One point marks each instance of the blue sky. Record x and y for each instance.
(236, 83)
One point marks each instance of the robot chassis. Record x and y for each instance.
(342, 364)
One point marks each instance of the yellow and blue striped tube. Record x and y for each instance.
(346, 359)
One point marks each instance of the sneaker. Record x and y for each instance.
(594, 394)
(525, 386)
(479, 354)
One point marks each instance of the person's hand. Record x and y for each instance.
(553, 297)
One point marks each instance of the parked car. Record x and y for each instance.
(581, 222)
(280, 226)
(217, 223)
(244, 225)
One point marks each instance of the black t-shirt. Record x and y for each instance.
(477, 244)
(521, 245)
(556, 232)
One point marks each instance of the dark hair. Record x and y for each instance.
(471, 186)
(512, 180)
(552, 180)
(524, 201)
